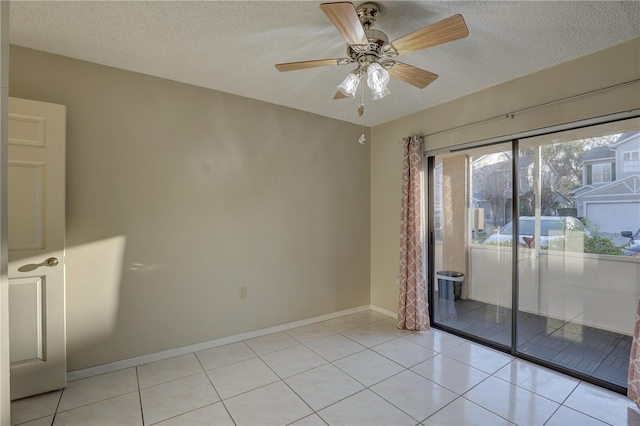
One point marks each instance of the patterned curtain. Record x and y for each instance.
(633, 390)
(412, 313)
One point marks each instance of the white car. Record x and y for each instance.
(551, 228)
(633, 248)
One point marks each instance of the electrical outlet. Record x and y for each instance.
(242, 292)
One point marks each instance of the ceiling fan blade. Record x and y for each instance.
(292, 66)
(339, 95)
(412, 75)
(345, 18)
(450, 29)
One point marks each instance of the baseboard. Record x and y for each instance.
(158, 356)
(384, 311)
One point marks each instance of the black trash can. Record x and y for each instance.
(449, 284)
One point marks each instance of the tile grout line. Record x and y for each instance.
(394, 405)
(436, 384)
(560, 404)
(258, 387)
(41, 417)
(338, 334)
(55, 413)
(552, 414)
(168, 381)
(442, 408)
(231, 363)
(215, 390)
(347, 374)
(191, 375)
(485, 408)
(287, 384)
(536, 393)
(140, 396)
(513, 384)
(96, 401)
(342, 399)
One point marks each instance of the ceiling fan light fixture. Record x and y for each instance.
(377, 80)
(349, 86)
(379, 94)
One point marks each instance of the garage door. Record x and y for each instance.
(614, 217)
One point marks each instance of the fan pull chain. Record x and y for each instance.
(360, 109)
(363, 138)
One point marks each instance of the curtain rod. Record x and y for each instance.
(533, 108)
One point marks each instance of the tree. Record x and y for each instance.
(566, 159)
(561, 173)
(494, 183)
(527, 185)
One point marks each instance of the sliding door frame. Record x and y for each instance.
(431, 225)
(430, 237)
(515, 253)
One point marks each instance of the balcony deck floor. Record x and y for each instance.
(589, 350)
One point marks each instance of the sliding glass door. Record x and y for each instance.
(473, 259)
(536, 247)
(579, 289)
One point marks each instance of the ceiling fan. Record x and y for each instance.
(372, 52)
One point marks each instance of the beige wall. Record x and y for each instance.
(179, 195)
(454, 218)
(609, 67)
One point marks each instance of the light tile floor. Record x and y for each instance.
(353, 370)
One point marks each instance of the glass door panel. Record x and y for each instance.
(578, 268)
(473, 242)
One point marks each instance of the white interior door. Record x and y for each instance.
(36, 198)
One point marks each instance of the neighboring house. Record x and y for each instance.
(492, 187)
(610, 195)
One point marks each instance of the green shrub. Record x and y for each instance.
(506, 243)
(594, 243)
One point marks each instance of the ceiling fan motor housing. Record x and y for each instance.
(371, 53)
(368, 14)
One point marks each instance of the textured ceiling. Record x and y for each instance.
(233, 46)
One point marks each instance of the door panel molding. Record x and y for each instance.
(26, 130)
(36, 215)
(27, 320)
(26, 207)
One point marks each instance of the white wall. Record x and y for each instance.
(179, 195)
(613, 66)
(589, 289)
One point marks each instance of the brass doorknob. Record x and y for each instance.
(52, 261)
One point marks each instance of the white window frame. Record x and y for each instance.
(632, 163)
(598, 173)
